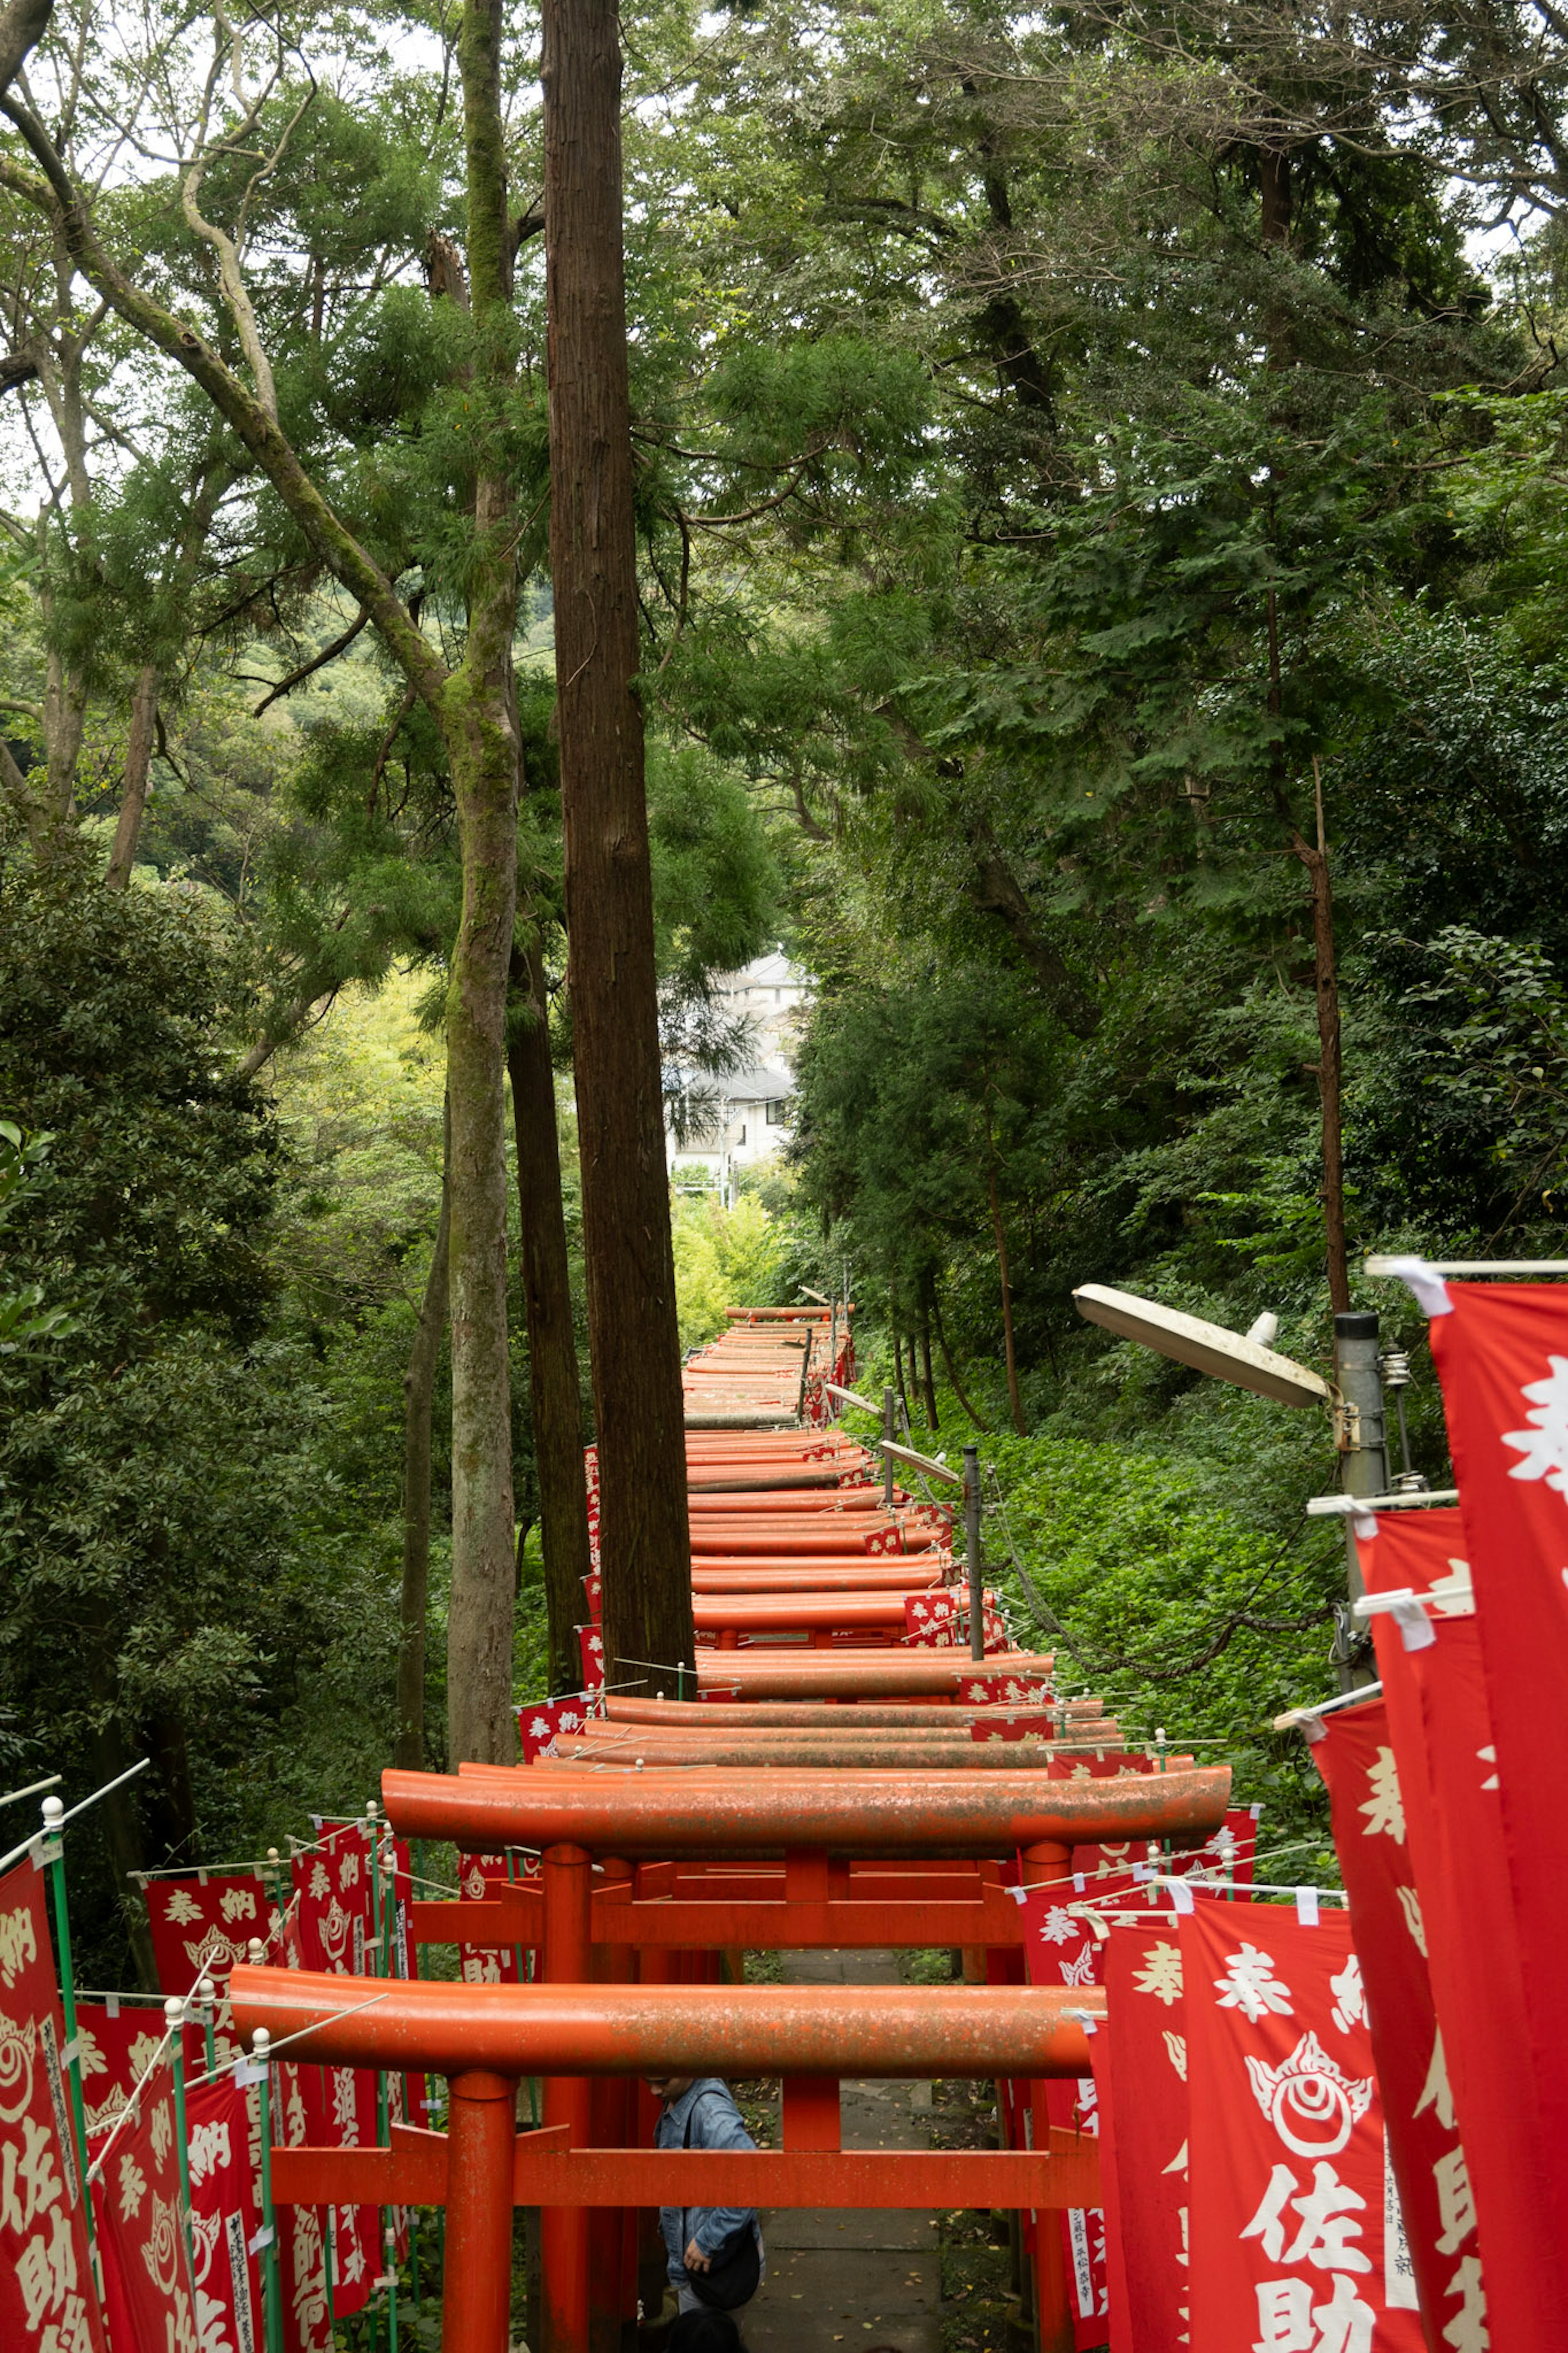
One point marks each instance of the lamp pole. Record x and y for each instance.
(973, 1564)
(1364, 1442)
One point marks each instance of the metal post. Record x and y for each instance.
(389, 2235)
(54, 1848)
(971, 1559)
(890, 1431)
(1394, 1366)
(1363, 1444)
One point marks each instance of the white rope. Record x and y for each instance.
(199, 2082)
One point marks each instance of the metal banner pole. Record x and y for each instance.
(972, 1562)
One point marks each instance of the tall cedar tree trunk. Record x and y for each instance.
(1326, 978)
(482, 746)
(898, 1361)
(418, 1405)
(927, 1387)
(951, 1369)
(138, 768)
(207, 490)
(554, 1396)
(1000, 1231)
(119, 1814)
(65, 724)
(472, 706)
(632, 1339)
(1325, 974)
(66, 681)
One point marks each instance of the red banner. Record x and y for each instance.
(485, 1964)
(141, 2230)
(202, 1925)
(339, 2111)
(337, 1914)
(118, 2040)
(1226, 1858)
(1004, 1690)
(1502, 1355)
(939, 1620)
(1142, 2052)
(301, 2262)
(1118, 2300)
(1295, 2236)
(591, 1474)
(337, 1933)
(1441, 1730)
(541, 1721)
(1013, 1727)
(930, 1620)
(47, 2299)
(1355, 1756)
(1061, 1947)
(1061, 1950)
(220, 2121)
(590, 1645)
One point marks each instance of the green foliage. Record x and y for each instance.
(724, 1258)
(121, 1007)
(1165, 1558)
(1182, 1611)
(155, 1494)
(1056, 501)
(715, 878)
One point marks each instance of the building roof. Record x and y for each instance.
(773, 970)
(755, 1086)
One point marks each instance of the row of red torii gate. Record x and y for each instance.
(1235, 2113)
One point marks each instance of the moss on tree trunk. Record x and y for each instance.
(554, 1394)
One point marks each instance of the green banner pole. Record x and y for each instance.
(271, 2278)
(53, 1851)
(175, 2026)
(206, 1996)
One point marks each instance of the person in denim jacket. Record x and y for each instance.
(699, 2113)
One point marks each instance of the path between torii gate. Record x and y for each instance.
(863, 2277)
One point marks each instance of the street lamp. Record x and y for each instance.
(1355, 1398)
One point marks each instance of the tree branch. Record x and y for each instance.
(14, 785)
(299, 1014)
(58, 199)
(230, 276)
(996, 891)
(318, 661)
(22, 26)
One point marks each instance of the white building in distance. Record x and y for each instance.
(751, 1118)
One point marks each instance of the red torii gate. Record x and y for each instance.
(485, 2038)
(641, 1825)
(817, 1822)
